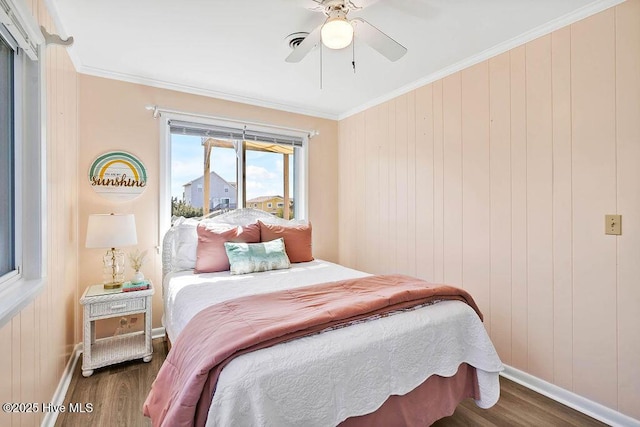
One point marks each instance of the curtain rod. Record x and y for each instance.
(157, 111)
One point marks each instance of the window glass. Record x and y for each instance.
(187, 176)
(268, 168)
(265, 169)
(7, 161)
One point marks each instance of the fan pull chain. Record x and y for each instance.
(353, 55)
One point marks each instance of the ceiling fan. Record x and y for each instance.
(337, 32)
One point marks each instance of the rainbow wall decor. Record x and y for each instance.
(118, 175)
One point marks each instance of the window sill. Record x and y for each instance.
(17, 296)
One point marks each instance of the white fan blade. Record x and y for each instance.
(361, 4)
(307, 45)
(378, 40)
(308, 4)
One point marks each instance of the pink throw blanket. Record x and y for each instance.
(182, 392)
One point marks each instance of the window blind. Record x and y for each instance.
(7, 38)
(18, 22)
(234, 133)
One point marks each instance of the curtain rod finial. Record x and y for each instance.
(153, 108)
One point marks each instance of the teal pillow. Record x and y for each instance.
(254, 257)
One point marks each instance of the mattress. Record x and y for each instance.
(323, 379)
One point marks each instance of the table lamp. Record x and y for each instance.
(112, 231)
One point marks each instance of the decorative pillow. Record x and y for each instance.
(211, 255)
(256, 257)
(185, 242)
(297, 239)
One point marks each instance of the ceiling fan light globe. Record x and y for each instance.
(337, 33)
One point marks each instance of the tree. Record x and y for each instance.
(180, 208)
(280, 211)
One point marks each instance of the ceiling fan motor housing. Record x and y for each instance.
(335, 4)
(337, 33)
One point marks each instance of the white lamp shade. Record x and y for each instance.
(337, 33)
(111, 231)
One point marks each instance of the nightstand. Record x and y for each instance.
(100, 303)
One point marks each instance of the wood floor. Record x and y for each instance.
(118, 392)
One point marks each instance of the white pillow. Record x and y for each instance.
(185, 241)
(181, 241)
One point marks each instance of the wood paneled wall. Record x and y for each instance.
(497, 178)
(37, 343)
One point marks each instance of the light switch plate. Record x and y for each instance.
(613, 224)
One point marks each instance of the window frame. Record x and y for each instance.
(301, 176)
(21, 286)
(14, 274)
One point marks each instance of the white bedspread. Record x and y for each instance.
(304, 381)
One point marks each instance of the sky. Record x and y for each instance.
(264, 170)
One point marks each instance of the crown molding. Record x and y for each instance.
(62, 32)
(549, 27)
(563, 21)
(207, 92)
(98, 72)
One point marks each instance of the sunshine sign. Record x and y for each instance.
(118, 175)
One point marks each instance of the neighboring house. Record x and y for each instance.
(271, 204)
(222, 194)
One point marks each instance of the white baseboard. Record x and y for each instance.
(50, 418)
(158, 332)
(570, 399)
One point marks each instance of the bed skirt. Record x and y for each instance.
(435, 398)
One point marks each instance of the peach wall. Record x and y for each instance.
(497, 178)
(112, 116)
(36, 344)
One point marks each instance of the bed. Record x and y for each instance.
(409, 367)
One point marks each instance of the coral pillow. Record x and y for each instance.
(210, 253)
(297, 239)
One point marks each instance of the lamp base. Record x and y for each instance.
(113, 269)
(112, 285)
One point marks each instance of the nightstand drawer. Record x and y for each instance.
(120, 306)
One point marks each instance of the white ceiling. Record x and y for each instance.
(235, 49)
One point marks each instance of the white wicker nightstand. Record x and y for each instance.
(100, 303)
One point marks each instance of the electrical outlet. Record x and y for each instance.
(613, 224)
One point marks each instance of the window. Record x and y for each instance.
(7, 160)
(244, 165)
(21, 162)
(269, 205)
